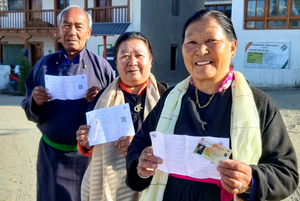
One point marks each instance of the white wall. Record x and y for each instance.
(12, 40)
(77, 2)
(90, 3)
(266, 77)
(119, 2)
(135, 15)
(47, 4)
(94, 42)
(47, 42)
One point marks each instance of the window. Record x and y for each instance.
(272, 14)
(226, 9)
(15, 5)
(63, 4)
(3, 5)
(175, 7)
(174, 56)
(103, 3)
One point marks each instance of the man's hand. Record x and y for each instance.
(123, 143)
(91, 93)
(40, 95)
(82, 136)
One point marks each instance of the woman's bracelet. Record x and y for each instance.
(137, 169)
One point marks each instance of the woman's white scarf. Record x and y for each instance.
(105, 177)
(245, 132)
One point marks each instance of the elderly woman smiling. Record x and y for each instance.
(105, 177)
(215, 101)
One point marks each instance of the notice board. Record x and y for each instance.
(267, 55)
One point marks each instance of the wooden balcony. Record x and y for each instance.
(109, 14)
(45, 22)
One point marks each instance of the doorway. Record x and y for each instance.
(37, 51)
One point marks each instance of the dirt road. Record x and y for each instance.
(18, 147)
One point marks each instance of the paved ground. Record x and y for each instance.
(19, 142)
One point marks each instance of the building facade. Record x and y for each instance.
(268, 41)
(29, 28)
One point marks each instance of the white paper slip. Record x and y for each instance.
(178, 157)
(66, 87)
(109, 124)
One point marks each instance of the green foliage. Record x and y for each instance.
(25, 68)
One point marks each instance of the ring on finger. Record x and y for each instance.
(239, 187)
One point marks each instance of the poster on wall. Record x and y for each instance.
(267, 55)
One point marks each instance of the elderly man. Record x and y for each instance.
(60, 167)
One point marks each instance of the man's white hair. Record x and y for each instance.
(90, 23)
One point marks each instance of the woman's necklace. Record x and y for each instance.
(197, 100)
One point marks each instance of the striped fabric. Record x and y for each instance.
(105, 177)
(245, 132)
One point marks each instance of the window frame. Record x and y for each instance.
(3, 7)
(267, 18)
(63, 5)
(216, 5)
(174, 58)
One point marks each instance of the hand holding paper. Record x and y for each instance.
(109, 124)
(148, 162)
(177, 154)
(66, 87)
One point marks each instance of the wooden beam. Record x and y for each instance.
(289, 6)
(55, 13)
(85, 4)
(128, 10)
(267, 10)
(24, 14)
(26, 38)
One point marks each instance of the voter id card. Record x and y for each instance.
(212, 151)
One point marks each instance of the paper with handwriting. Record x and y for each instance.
(177, 154)
(66, 87)
(109, 124)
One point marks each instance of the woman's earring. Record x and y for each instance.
(232, 55)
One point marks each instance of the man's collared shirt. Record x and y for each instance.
(65, 59)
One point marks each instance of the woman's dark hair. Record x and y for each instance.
(129, 36)
(222, 19)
